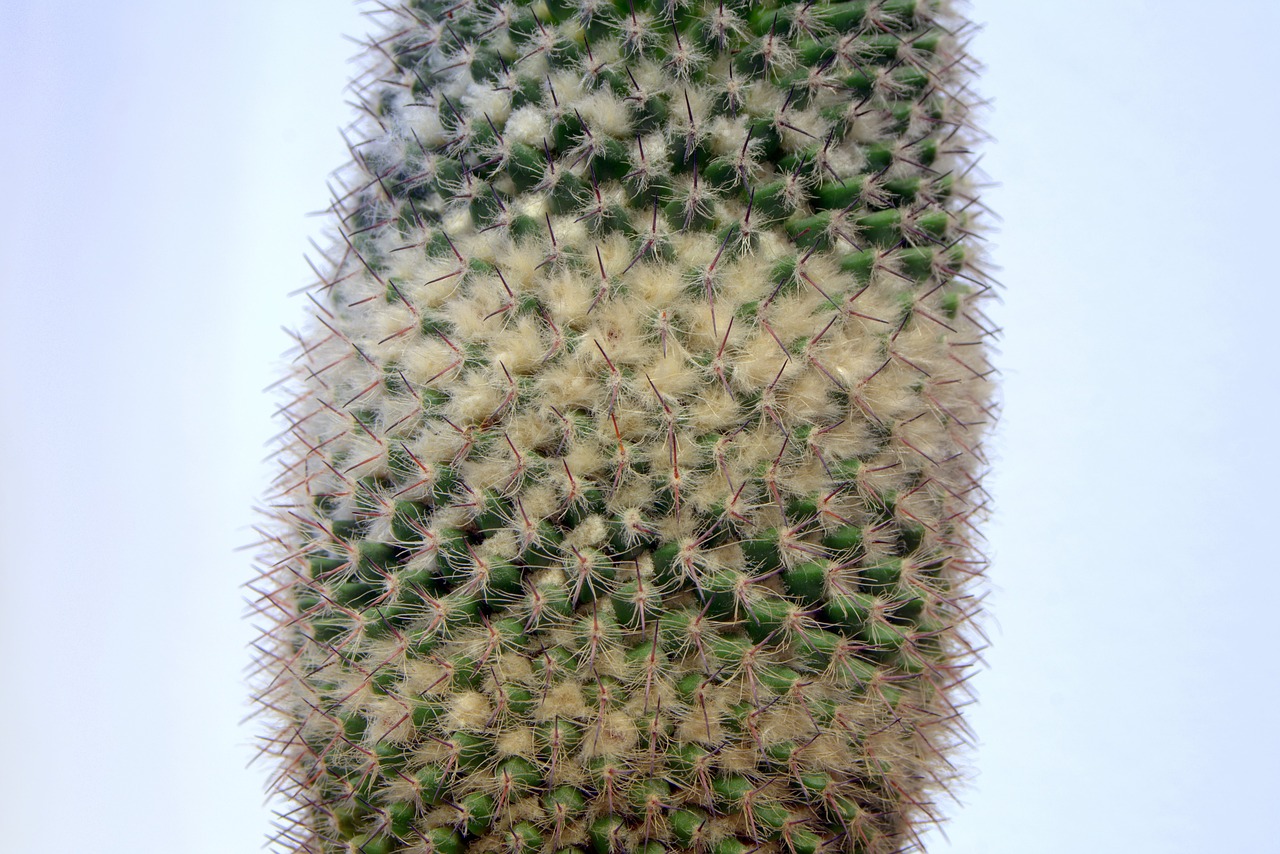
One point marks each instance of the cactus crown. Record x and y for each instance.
(626, 498)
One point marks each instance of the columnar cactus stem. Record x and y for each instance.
(628, 491)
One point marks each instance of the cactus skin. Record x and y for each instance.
(628, 488)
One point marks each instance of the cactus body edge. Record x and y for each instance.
(627, 497)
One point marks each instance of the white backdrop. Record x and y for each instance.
(160, 158)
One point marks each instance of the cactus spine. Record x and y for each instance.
(626, 499)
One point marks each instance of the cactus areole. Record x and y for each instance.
(633, 446)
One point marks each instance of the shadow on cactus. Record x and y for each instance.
(633, 452)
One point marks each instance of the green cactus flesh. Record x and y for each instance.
(627, 496)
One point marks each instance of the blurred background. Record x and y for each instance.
(161, 159)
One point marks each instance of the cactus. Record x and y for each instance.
(632, 456)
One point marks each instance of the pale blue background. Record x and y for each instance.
(158, 160)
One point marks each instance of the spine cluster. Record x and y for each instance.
(627, 494)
